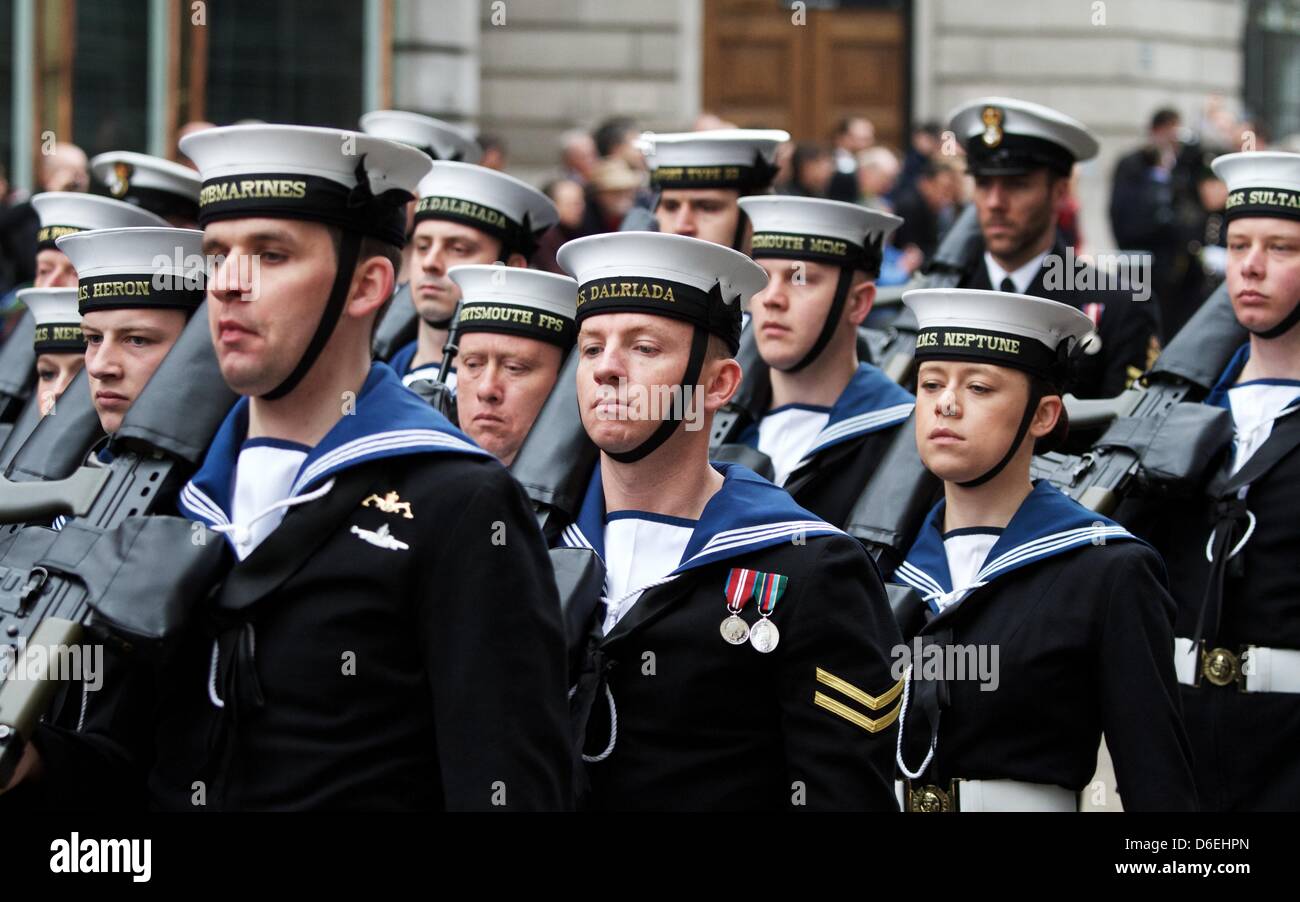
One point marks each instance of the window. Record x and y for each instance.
(6, 87)
(110, 76)
(1272, 54)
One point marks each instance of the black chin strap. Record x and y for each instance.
(1034, 397)
(443, 324)
(1288, 322)
(349, 251)
(832, 320)
(739, 235)
(690, 380)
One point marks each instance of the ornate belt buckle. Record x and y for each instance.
(930, 799)
(1221, 666)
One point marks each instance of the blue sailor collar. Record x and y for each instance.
(1218, 395)
(388, 421)
(870, 402)
(1047, 523)
(746, 514)
(401, 361)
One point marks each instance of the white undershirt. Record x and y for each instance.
(264, 475)
(638, 551)
(787, 434)
(1255, 405)
(966, 553)
(1021, 278)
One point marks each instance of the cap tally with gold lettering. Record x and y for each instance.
(352, 181)
(739, 158)
(683, 278)
(68, 212)
(1261, 183)
(440, 140)
(514, 301)
(1004, 136)
(824, 231)
(58, 324)
(1026, 333)
(120, 269)
(513, 212)
(151, 183)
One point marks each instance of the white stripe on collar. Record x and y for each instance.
(198, 503)
(1051, 543)
(860, 424)
(381, 441)
(917, 579)
(738, 538)
(573, 538)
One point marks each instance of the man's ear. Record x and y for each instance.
(722, 384)
(1045, 417)
(372, 285)
(861, 296)
(517, 260)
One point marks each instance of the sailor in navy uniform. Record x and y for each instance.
(792, 707)
(160, 186)
(514, 331)
(1021, 155)
(465, 214)
(67, 212)
(699, 178)
(1232, 548)
(59, 344)
(829, 418)
(1074, 606)
(351, 658)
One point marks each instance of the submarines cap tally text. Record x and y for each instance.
(849, 236)
(514, 301)
(58, 324)
(138, 268)
(67, 212)
(354, 182)
(696, 281)
(1033, 335)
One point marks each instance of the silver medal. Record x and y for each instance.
(734, 630)
(764, 635)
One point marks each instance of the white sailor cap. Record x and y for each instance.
(67, 212)
(345, 179)
(58, 323)
(157, 185)
(440, 140)
(516, 301)
(667, 275)
(825, 231)
(138, 268)
(740, 158)
(1004, 136)
(500, 205)
(1026, 333)
(1262, 183)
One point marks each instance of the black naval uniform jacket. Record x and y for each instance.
(703, 725)
(1127, 328)
(864, 422)
(1246, 744)
(394, 644)
(1082, 623)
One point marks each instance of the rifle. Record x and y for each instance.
(1156, 440)
(102, 569)
(437, 392)
(399, 326)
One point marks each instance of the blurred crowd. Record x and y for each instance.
(1165, 201)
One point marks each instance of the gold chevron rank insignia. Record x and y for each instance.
(847, 690)
(391, 503)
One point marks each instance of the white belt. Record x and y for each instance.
(991, 795)
(1255, 669)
